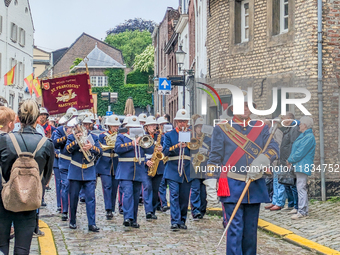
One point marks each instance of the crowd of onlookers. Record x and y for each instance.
(297, 149)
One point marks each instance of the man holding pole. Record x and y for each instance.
(241, 148)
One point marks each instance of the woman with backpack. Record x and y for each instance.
(28, 153)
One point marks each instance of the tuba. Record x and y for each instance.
(110, 142)
(156, 157)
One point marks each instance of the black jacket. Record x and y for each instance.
(44, 156)
(289, 136)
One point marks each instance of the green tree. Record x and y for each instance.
(144, 62)
(76, 62)
(131, 43)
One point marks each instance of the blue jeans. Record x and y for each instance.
(292, 195)
(279, 196)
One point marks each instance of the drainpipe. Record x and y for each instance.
(322, 152)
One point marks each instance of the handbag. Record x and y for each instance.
(286, 177)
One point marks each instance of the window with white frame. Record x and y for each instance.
(22, 37)
(283, 16)
(14, 32)
(99, 81)
(245, 21)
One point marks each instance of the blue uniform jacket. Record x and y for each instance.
(127, 169)
(108, 162)
(201, 172)
(80, 169)
(222, 148)
(171, 149)
(59, 141)
(56, 152)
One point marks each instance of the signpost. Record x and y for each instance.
(164, 87)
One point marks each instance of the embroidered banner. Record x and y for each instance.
(59, 94)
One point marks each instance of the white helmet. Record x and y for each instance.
(52, 119)
(182, 115)
(92, 116)
(96, 117)
(133, 122)
(199, 121)
(142, 117)
(73, 111)
(43, 110)
(125, 121)
(88, 120)
(151, 120)
(112, 120)
(162, 120)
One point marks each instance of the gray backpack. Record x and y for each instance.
(23, 191)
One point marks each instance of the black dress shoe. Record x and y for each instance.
(64, 217)
(149, 216)
(183, 226)
(197, 216)
(82, 200)
(109, 215)
(165, 208)
(159, 208)
(59, 209)
(135, 225)
(121, 211)
(93, 228)
(200, 216)
(127, 223)
(154, 217)
(174, 227)
(72, 226)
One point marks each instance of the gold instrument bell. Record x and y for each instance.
(110, 142)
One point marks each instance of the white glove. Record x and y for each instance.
(255, 171)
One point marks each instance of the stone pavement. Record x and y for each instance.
(322, 225)
(152, 238)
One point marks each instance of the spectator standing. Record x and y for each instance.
(302, 158)
(28, 139)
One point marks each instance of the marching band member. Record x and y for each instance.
(142, 118)
(42, 120)
(59, 141)
(151, 183)
(199, 158)
(82, 174)
(227, 149)
(57, 175)
(107, 165)
(130, 171)
(179, 184)
(163, 202)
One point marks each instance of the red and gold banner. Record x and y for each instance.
(59, 94)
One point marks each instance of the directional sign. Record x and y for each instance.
(164, 84)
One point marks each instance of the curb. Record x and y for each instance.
(46, 242)
(286, 235)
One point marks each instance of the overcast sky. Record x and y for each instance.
(58, 23)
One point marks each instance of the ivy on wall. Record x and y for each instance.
(139, 93)
(138, 77)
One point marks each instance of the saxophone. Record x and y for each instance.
(156, 157)
(199, 157)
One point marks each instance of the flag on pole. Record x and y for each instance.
(9, 77)
(29, 82)
(37, 87)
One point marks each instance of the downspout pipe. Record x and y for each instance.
(320, 91)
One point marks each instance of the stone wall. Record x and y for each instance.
(284, 60)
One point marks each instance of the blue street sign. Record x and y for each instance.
(164, 84)
(109, 113)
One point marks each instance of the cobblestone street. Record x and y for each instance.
(152, 238)
(322, 225)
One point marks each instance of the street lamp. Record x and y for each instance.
(180, 56)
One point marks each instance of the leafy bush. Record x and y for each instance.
(138, 77)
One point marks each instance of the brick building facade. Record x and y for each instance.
(271, 43)
(165, 43)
